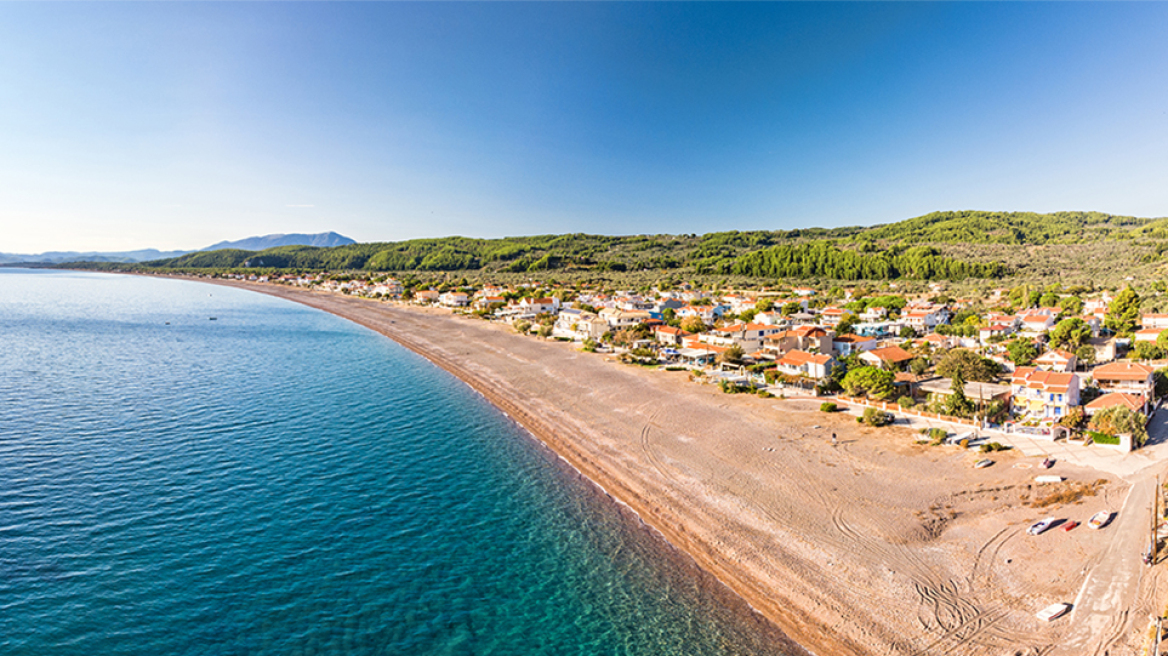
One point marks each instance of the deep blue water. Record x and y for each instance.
(281, 481)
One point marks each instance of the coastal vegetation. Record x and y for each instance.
(1046, 254)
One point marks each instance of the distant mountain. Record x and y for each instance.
(56, 257)
(323, 240)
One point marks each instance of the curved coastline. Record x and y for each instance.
(849, 550)
(804, 635)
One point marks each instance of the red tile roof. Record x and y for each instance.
(1122, 371)
(1131, 401)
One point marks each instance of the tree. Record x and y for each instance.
(907, 332)
(669, 316)
(747, 315)
(1124, 313)
(846, 324)
(918, 366)
(764, 305)
(1160, 380)
(1022, 352)
(1070, 333)
(1049, 299)
(958, 405)
(1162, 340)
(1085, 354)
(1074, 418)
(1119, 419)
(792, 308)
(693, 324)
(870, 381)
(1071, 305)
(1019, 295)
(967, 365)
(1147, 351)
(732, 355)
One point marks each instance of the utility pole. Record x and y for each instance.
(1155, 521)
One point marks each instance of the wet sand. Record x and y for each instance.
(875, 546)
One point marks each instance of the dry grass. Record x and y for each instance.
(1070, 492)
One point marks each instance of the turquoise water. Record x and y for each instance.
(281, 481)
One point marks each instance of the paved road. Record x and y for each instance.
(1102, 610)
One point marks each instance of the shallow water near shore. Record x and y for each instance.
(282, 481)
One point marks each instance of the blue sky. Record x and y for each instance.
(175, 125)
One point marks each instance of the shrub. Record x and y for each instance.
(937, 435)
(828, 406)
(874, 417)
(765, 394)
(906, 402)
(964, 443)
(994, 446)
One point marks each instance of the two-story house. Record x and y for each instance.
(1046, 395)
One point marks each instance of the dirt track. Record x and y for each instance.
(875, 546)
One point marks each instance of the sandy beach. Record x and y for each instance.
(877, 545)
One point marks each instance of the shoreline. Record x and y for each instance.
(863, 564)
(757, 601)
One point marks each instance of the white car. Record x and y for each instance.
(1038, 527)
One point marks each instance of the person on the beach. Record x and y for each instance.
(833, 440)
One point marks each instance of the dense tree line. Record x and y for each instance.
(823, 260)
(972, 227)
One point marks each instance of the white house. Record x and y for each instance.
(1057, 360)
(750, 336)
(802, 363)
(623, 318)
(454, 299)
(923, 320)
(1036, 323)
(846, 345)
(579, 325)
(539, 305)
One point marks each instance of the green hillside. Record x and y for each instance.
(938, 246)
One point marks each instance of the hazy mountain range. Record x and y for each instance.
(323, 239)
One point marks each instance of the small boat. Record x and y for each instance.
(1048, 479)
(1038, 527)
(1052, 612)
(1070, 525)
(1048, 463)
(982, 464)
(213, 319)
(1099, 519)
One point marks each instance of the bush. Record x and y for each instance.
(994, 446)
(765, 394)
(906, 402)
(1103, 438)
(874, 417)
(828, 406)
(936, 435)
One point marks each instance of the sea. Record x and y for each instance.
(195, 469)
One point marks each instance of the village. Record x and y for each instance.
(966, 421)
(1045, 365)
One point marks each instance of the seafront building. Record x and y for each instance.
(797, 336)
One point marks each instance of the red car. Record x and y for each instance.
(1070, 525)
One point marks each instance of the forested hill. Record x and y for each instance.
(1010, 228)
(941, 245)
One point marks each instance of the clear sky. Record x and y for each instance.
(175, 125)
